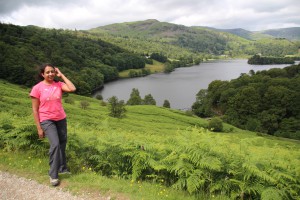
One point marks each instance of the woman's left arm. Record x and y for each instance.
(68, 86)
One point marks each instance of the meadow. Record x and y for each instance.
(151, 153)
(156, 67)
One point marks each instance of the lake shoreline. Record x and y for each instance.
(181, 86)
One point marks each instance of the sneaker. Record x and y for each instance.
(54, 181)
(65, 172)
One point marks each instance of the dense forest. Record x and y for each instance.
(90, 62)
(264, 101)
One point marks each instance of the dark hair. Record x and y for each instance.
(42, 70)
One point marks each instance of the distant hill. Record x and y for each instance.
(197, 39)
(204, 40)
(288, 33)
(249, 35)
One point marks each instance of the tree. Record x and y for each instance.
(166, 104)
(159, 57)
(135, 98)
(199, 108)
(116, 107)
(168, 68)
(246, 104)
(149, 100)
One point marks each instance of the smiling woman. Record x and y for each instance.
(50, 117)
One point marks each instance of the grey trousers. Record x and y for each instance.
(56, 132)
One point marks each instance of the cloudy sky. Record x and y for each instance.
(253, 15)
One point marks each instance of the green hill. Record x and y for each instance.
(97, 56)
(249, 35)
(90, 61)
(197, 39)
(292, 33)
(153, 153)
(205, 40)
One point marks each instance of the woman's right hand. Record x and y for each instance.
(41, 133)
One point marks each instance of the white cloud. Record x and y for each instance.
(85, 14)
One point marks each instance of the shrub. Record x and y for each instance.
(189, 113)
(84, 105)
(69, 100)
(99, 97)
(216, 124)
(103, 103)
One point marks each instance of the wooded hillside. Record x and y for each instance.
(265, 101)
(89, 62)
(204, 40)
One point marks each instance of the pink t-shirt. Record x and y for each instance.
(50, 100)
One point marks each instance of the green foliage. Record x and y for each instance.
(22, 138)
(138, 73)
(265, 101)
(84, 104)
(99, 97)
(177, 41)
(149, 100)
(135, 98)
(278, 47)
(69, 100)
(159, 57)
(116, 107)
(215, 124)
(169, 67)
(289, 33)
(87, 61)
(263, 60)
(166, 104)
(163, 147)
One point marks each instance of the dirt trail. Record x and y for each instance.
(18, 188)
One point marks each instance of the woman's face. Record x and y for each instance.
(49, 74)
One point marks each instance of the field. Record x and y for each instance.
(156, 67)
(151, 153)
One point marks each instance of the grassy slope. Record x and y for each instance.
(155, 68)
(148, 125)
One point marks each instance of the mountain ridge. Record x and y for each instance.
(290, 33)
(199, 39)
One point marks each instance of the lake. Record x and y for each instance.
(181, 86)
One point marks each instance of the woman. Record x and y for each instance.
(50, 117)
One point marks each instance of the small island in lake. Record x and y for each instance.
(265, 60)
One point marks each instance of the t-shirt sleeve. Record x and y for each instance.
(61, 84)
(35, 92)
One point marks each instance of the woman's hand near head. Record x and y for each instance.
(69, 86)
(58, 72)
